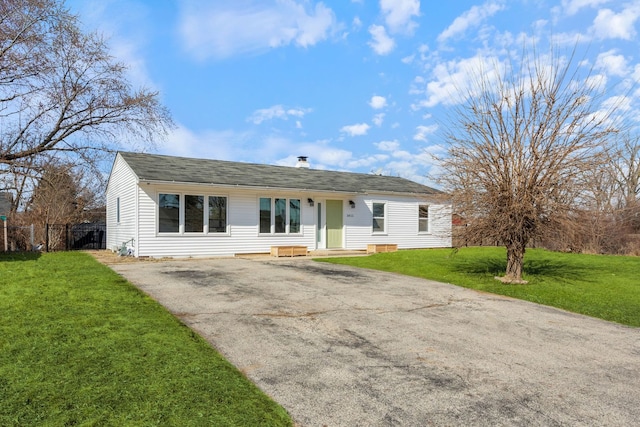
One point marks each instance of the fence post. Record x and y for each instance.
(66, 237)
(46, 237)
(32, 236)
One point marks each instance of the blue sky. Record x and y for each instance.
(356, 85)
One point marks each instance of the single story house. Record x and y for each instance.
(165, 206)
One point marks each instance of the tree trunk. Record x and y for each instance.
(515, 260)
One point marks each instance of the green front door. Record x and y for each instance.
(334, 223)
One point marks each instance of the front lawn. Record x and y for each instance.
(79, 345)
(601, 286)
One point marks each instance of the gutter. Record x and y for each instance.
(288, 189)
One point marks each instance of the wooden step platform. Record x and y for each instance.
(377, 248)
(289, 251)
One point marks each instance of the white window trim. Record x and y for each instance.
(385, 231)
(182, 217)
(272, 227)
(428, 218)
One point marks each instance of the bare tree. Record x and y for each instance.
(58, 197)
(625, 163)
(62, 94)
(518, 150)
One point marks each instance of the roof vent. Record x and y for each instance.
(302, 162)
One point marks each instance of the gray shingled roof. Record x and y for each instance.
(154, 167)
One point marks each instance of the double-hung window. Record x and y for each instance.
(265, 215)
(190, 213)
(168, 213)
(217, 214)
(193, 214)
(423, 218)
(279, 216)
(294, 216)
(379, 217)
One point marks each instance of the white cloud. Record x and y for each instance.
(380, 42)
(571, 7)
(378, 119)
(224, 29)
(422, 132)
(211, 144)
(387, 145)
(619, 103)
(611, 25)
(377, 102)
(321, 155)
(398, 14)
(453, 81)
(405, 163)
(276, 112)
(612, 63)
(570, 38)
(356, 130)
(402, 154)
(366, 161)
(635, 75)
(356, 23)
(408, 59)
(471, 18)
(127, 34)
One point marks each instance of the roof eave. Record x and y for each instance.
(142, 181)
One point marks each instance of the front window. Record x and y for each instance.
(193, 214)
(265, 215)
(378, 217)
(190, 213)
(280, 216)
(294, 216)
(217, 214)
(423, 218)
(169, 213)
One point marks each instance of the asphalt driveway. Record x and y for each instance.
(340, 346)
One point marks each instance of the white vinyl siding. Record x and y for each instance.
(121, 205)
(401, 223)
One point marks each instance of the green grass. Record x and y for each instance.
(81, 346)
(607, 287)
